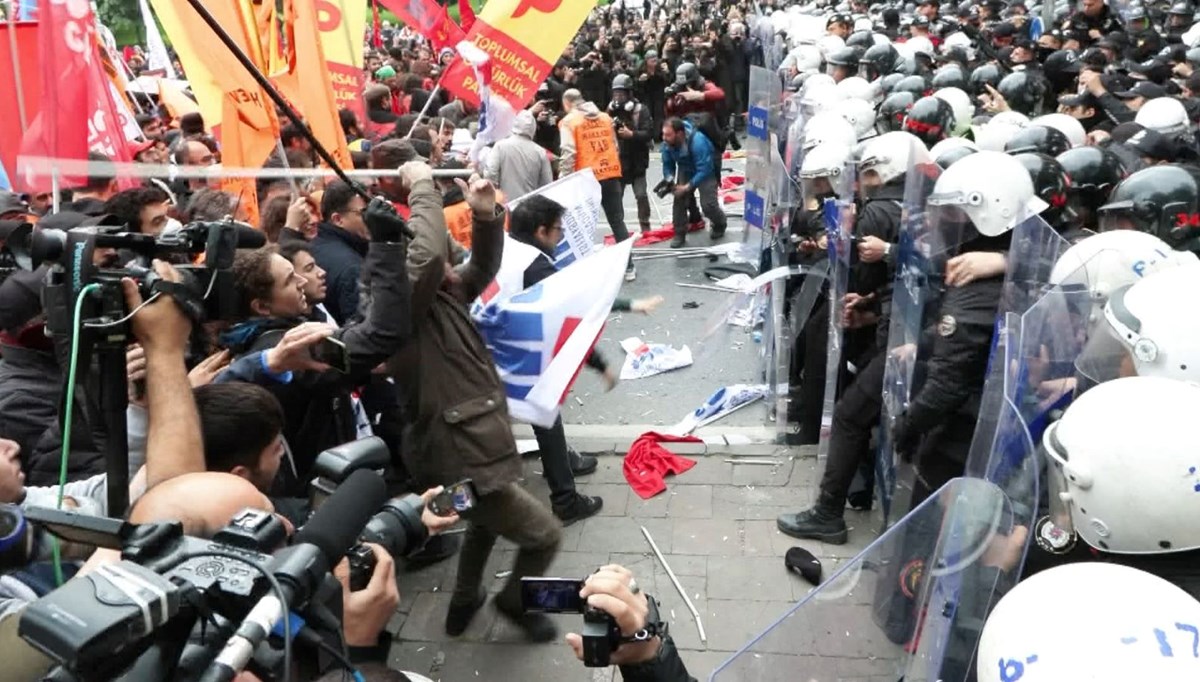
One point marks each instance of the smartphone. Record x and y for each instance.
(551, 595)
(454, 499)
(333, 353)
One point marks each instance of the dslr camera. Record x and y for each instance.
(397, 527)
(663, 188)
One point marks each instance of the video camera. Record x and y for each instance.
(135, 619)
(15, 232)
(82, 257)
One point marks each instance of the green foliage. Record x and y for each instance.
(122, 17)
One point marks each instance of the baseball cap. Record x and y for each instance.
(1085, 99)
(1153, 69)
(1143, 89)
(12, 203)
(1003, 30)
(1153, 144)
(385, 72)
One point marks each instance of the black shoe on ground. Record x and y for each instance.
(459, 617)
(717, 234)
(814, 524)
(582, 465)
(437, 548)
(579, 508)
(537, 626)
(678, 241)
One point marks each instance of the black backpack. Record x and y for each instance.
(706, 123)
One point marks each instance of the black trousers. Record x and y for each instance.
(854, 417)
(683, 209)
(556, 462)
(612, 195)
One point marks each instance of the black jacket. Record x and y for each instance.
(879, 217)
(635, 151)
(316, 405)
(340, 254)
(946, 404)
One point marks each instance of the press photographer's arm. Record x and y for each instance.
(613, 590)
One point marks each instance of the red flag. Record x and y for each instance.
(429, 19)
(376, 27)
(466, 15)
(30, 95)
(74, 90)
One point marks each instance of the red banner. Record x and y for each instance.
(429, 19)
(27, 67)
(74, 89)
(466, 15)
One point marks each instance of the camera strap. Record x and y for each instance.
(188, 300)
(134, 587)
(655, 627)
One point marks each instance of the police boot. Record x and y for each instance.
(817, 523)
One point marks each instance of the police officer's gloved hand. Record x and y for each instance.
(383, 222)
(904, 439)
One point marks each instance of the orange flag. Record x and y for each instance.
(225, 91)
(308, 83)
(175, 100)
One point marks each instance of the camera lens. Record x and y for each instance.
(397, 527)
(15, 548)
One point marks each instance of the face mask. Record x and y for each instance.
(1044, 52)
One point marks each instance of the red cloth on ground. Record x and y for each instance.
(655, 236)
(647, 463)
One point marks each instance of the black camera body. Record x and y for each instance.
(663, 188)
(601, 636)
(206, 292)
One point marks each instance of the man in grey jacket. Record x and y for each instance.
(517, 164)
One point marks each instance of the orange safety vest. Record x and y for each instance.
(458, 220)
(596, 146)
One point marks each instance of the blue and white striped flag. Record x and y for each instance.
(539, 337)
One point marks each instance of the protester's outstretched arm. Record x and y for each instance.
(426, 218)
(173, 442)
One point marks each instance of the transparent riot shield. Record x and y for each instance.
(916, 292)
(839, 227)
(1036, 248)
(911, 606)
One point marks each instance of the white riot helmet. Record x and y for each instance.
(992, 137)
(829, 127)
(1067, 125)
(964, 110)
(827, 160)
(864, 24)
(830, 44)
(992, 189)
(1123, 470)
(859, 114)
(921, 45)
(807, 58)
(1090, 621)
(819, 97)
(1165, 115)
(959, 39)
(856, 87)
(890, 155)
(1149, 334)
(1109, 261)
(1010, 118)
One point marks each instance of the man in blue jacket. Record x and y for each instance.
(689, 164)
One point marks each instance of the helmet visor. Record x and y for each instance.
(1124, 215)
(1105, 357)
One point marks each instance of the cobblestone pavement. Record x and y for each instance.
(716, 526)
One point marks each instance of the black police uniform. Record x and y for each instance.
(935, 432)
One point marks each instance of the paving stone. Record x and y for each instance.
(758, 474)
(709, 469)
(733, 623)
(576, 564)
(719, 537)
(427, 620)
(608, 470)
(690, 502)
(623, 534)
(749, 578)
(646, 562)
(655, 507)
(553, 662)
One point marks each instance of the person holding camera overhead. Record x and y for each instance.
(589, 140)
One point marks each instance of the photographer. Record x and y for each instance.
(612, 589)
(690, 163)
(691, 93)
(634, 138)
(652, 79)
(317, 402)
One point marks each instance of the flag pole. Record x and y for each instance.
(16, 62)
(428, 103)
(278, 99)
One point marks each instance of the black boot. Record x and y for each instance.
(678, 241)
(815, 524)
(577, 508)
(581, 465)
(459, 616)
